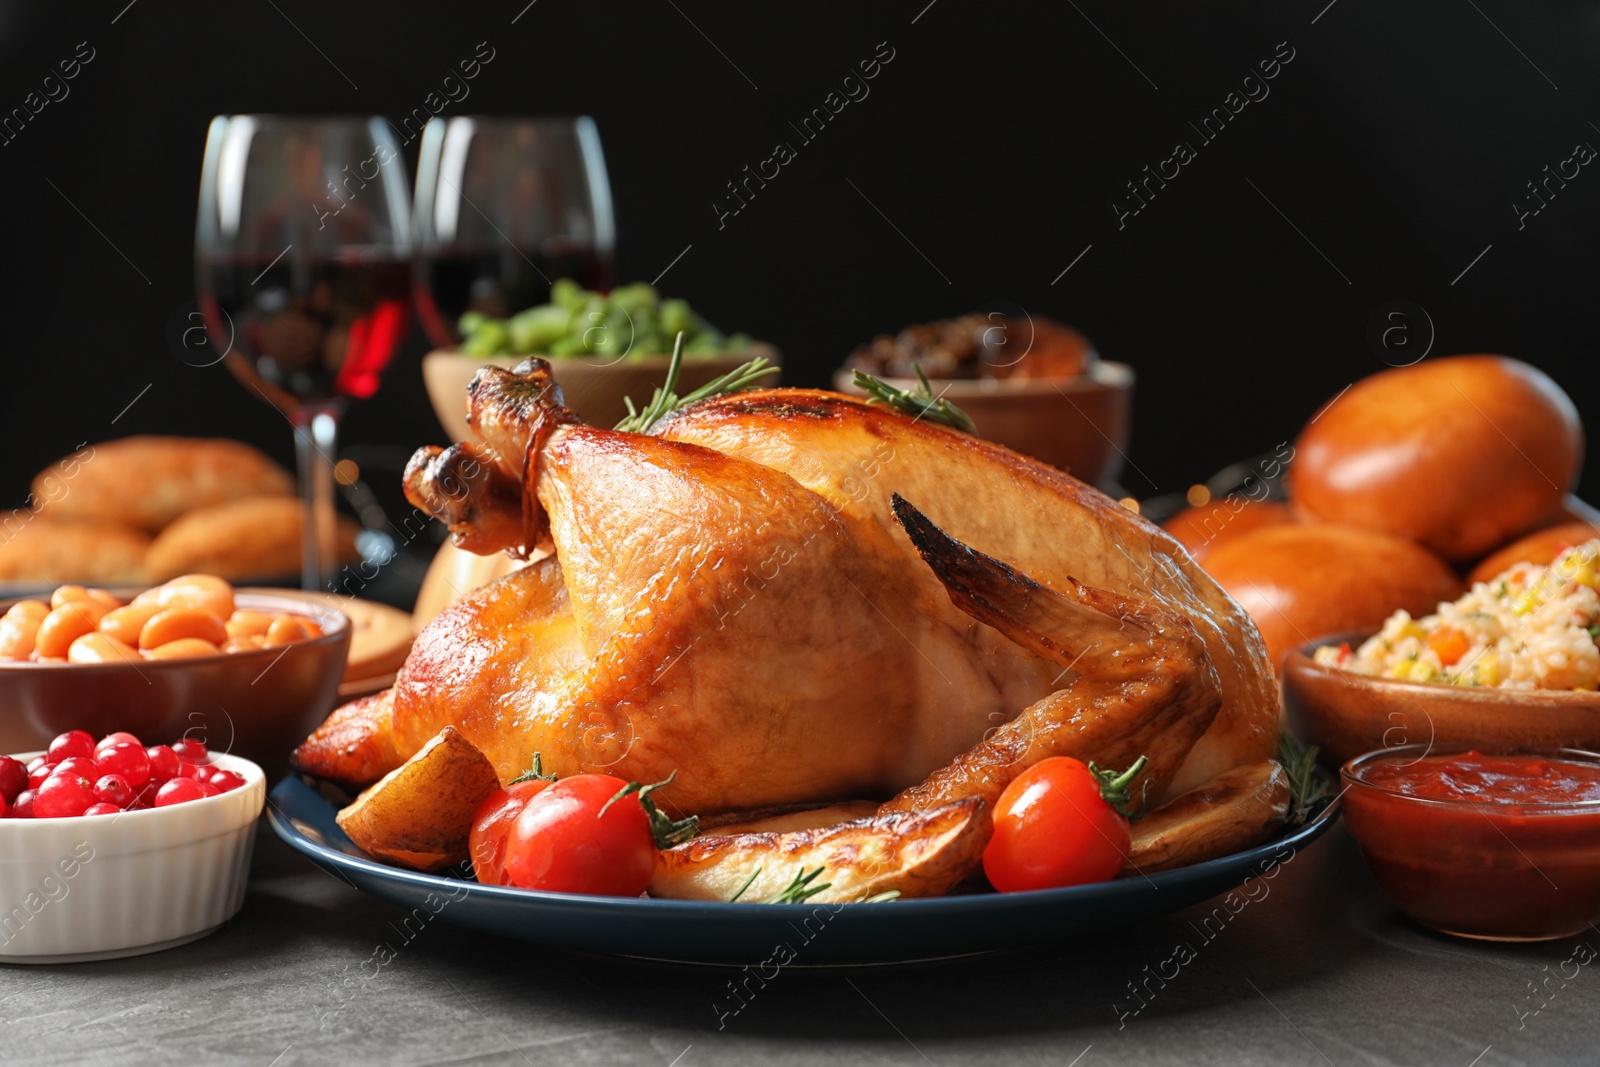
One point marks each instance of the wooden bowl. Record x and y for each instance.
(594, 387)
(258, 704)
(1077, 424)
(1347, 714)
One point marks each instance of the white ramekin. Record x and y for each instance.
(104, 886)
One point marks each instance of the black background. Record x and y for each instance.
(1396, 141)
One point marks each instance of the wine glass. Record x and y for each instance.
(303, 264)
(505, 206)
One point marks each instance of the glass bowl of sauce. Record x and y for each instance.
(1501, 844)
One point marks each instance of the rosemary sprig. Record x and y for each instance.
(748, 882)
(919, 402)
(801, 888)
(666, 830)
(534, 773)
(664, 401)
(1306, 789)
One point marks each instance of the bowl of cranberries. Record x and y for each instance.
(112, 847)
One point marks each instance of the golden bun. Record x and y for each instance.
(1457, 454)
(147, 482)
(48, 551)
(1541, 547)
(1203, 528)
(1303, 582)
(251, 538)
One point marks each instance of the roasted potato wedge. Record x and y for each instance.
(419, 814)
(786, 817)
(918, 853)
(1233, 811)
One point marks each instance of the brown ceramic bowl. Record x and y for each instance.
(593, 387)
(1348, 714)
(1077, 424)
(258, 704)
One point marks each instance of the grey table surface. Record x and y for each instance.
(1320, 971)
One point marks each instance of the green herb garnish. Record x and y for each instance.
(919, 402)
(664, 402)
(1306, 788)
(748, 882)
(881, 898)
(800, 889)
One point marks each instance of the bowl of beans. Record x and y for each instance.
(248, 672)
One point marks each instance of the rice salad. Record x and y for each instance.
(1529, 627)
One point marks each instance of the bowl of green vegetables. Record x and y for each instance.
(603, 349)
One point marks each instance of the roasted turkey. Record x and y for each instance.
(788, 597)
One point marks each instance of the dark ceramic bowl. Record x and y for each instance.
(1077, 424)
(258, 704)
(1347, 714)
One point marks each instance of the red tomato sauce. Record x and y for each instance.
(1473, 776)
(1482, 845)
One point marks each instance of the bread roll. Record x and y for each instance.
(1456, 454)
(36, 549)
(1541, 547)
(1203, 528)
(147, 482)
(252, 538)
(1300, 583)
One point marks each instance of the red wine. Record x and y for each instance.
(498, 281)
(309, 333)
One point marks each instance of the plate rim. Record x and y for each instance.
(282, 825)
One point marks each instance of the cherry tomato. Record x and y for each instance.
(571, 838)
(1058, 823)
(492, 823)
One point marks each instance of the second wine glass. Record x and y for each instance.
(504, 206)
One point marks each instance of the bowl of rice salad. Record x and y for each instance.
(1516, 660)
(1529, 627)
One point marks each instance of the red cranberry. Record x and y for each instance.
(210, 790)
(121, 737)
(79, 765)
(102, 808)
(22, 807)
(5, 809)
(71, 743)
(13, 778)
(113, 789)
(164, 763)
(37, 776)
(191, 751)
(63, 796)
(126, 758)
(178, 791)
(226, 781)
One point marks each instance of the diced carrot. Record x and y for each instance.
(1450, 644)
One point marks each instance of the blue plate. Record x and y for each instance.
(807, 934)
